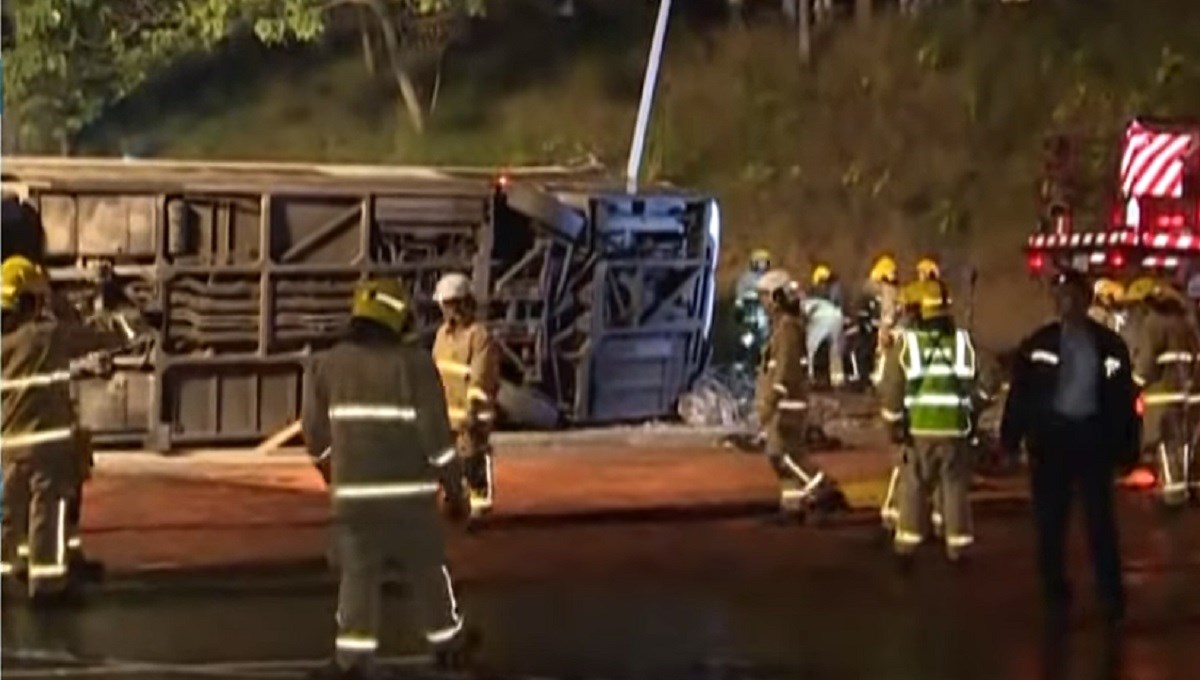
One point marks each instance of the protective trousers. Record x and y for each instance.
(798, 482)
(37, 491)
(826, 329)
(1175, 457)
(1063, 461)
(929, 464)
(476, 453)
(364, 567)
(74, 519)
(889, 512)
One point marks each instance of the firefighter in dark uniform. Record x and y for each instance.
(1164, 366)
(1071, 402)
(86, 341)
(909, 304)
(42, 470)
(374, 402)
(926, 395)
(781, 393)
(469, 363)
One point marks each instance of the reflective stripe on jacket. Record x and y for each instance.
(781, 385)
(35, 388)
(379, 410)
(469, 365)
(1164, 359)
(939, 372)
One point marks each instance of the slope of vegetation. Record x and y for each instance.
(906, 134)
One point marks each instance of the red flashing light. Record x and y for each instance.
(1169, 221)
(1116, 259)
(502, 181)
(1139, 406)
(1037, 262)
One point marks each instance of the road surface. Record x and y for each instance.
(714, 598)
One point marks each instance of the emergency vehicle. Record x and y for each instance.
(1152, 222)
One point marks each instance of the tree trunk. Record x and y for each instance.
(391, 43)
(368, 48)
(65, 143)
(862, 11)
(804, 31)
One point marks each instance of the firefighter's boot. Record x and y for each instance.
(458, 653)
(889, 512)
(84, 569)
(1173, 484)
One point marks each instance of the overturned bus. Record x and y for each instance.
(228, 277)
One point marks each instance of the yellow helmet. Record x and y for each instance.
(884, 269)
(760, 259)
(21, 277)
(1139, 289)
(1108, 290)
(928, 269)
(821, 273)
(383, 300)
(933, 297)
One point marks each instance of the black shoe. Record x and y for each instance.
(459, 653)
(86, 570)
(959, 559)
(66, 598)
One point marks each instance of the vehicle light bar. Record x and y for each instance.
(1185, 242)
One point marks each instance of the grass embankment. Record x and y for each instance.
(909, 135)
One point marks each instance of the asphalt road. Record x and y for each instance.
(720, 599)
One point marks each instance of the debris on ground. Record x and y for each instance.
(719, 398)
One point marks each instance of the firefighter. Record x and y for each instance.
(1107, 295)
(747, 312)
(1164, 366)
(883, 292)
(825, 320)
(910, 315)
(374, 408)
(781, 390)
(40, 433)
(469, 365)
(910, 308)
(927, 394)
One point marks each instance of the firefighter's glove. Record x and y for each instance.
(95, 364)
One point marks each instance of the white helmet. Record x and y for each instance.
(774, 280)
(452, 286)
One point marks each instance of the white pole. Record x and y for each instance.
(643, 118)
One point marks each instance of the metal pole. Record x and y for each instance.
(643, 118)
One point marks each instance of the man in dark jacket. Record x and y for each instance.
(1072, 404)
(374, 401)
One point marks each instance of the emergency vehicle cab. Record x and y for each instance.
(1152, 225)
